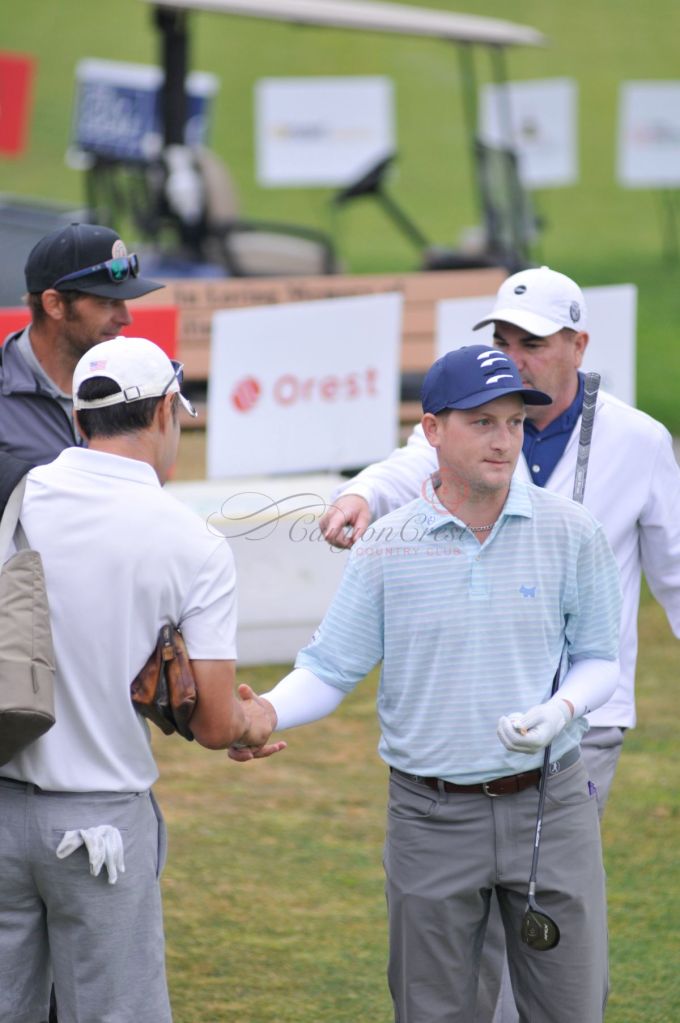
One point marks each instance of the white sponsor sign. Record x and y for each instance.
(287, 573)
(612, 318)
(321, 131)
(542, 128)
(649, 135)
(305, 386)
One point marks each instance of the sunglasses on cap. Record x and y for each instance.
(118, 270)
(178, 375)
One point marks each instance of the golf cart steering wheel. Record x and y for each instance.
(369, 183)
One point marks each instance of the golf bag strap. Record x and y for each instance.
(11, 471)
(10, 527)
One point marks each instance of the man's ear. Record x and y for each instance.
(580, 345)
(53, 304)
(76, 419)
(430, 425)
(164, 412)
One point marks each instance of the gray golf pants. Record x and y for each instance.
(444, 856)
(103, 943)
(601, 749)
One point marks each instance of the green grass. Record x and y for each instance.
(596, 231)
(641, 834)
(287, 920)
(274, 887)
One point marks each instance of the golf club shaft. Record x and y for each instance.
(592, 386)
(541, 800)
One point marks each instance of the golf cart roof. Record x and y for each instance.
(371, 16)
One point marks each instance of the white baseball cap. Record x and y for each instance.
(139, 367)
(539, 300)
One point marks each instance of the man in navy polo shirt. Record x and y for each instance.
(540, 320)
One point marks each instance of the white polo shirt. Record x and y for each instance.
(121, 559)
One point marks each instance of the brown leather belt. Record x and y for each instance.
(499, 786)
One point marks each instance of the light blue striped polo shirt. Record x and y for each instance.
(468, 632)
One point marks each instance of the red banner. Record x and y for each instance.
(158, 323)
(16, 80)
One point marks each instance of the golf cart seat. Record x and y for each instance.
(252, 248)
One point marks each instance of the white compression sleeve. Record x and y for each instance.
(588, 684)
(301, 698)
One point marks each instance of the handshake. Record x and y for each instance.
(261, 721)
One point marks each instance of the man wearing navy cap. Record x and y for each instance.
(471, 596)
(78, 280)
(540, 320)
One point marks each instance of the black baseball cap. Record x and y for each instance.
(469, 377)
(88, 258)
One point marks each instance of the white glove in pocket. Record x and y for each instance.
(104, 847)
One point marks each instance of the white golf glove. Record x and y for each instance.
(533, 731)
(104, 846)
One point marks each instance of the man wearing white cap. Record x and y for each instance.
(540, 320)
(121, 559)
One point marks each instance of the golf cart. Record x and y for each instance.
(509, 224)
(185, 194)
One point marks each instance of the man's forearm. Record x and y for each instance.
(397, 479)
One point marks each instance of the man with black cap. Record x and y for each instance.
(471, 596)
(79, 280)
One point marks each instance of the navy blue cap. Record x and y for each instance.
(80, 247)
(471, 376)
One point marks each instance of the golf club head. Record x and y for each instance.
(538, 930)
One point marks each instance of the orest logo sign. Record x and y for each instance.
(289, 389)
(246, 394)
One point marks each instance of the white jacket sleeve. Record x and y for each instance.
(660, 532)
(397, 479)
